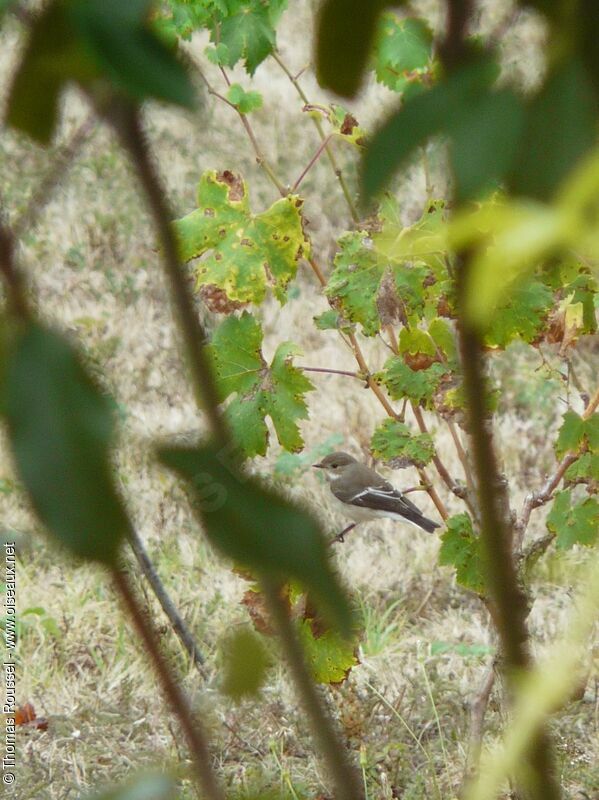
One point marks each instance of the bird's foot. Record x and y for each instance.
(341, 536)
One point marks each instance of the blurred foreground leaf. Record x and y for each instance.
(145, 787)
(245, 662)
(60, 428)
(345, 35)
(258, 529)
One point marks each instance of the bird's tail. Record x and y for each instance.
(427, 524)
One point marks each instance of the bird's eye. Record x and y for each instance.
(334, 466)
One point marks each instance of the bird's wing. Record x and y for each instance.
(377, 493)
(382, 497)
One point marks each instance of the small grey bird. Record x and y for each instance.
(363, 495)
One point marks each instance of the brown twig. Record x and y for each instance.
(323, 136)
(196, 740)
(177, 622)
(62, 160)
(478, 709)
(545, 493)
(344, 776)
(332, 371)
(311, 163)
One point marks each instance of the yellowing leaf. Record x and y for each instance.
(242, 253)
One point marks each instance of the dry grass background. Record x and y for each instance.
(93, 269)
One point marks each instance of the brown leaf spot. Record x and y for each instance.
(348, 124)
(234, 182)
(388, 304)
(217, 301)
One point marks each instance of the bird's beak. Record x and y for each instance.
(318, 466)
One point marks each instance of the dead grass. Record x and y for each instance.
(94, 270)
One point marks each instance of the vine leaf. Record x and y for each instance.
(245, 663)
(461, 549)
(247, 29)
(258, 529)
(584, 470)
(403, 52)
(244, 101)
(577, 432)
(243, 253)
(417, 385)
(574, 523)
(60, 428)
(396, 445)
(365, 284)
(520, 316)
(260, 390)
(329, 656)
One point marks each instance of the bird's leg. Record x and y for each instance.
(414, 489)
(341, 536)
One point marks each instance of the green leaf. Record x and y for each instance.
(461, 549)
(276, 391)
(247, 29)
(584, 470)
(576, 523)
(440, 109)
(151, 786)
(245, 662)
(330, 657)
(129, 51)
(394, 443)
(521, 316)
(368, 287)
(417, 385)
(560, 128)
(329, 321)
(415, 341)
(485, 142)
(243, 253)
(443, 336)
(258, 529)
(244, 101)
(403, 51)
(576, 432)
(52, 56)
(60, 428)
(462, 649)
(345, 34)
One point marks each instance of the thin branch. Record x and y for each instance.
(128, 125)
(191, 728)
(13, 279)
(344, 776)
(478, 709)
(332, 371)
(318, 125)
(177, 623)
(311, 163)
(62, 160)
(545, 493)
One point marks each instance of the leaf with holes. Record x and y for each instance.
(277, 391)
(574, 523)
(242, 253)
(395, 444)
(461, 549)
(370, 289)
(329, 656)
(416, 385)
(60, 428)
